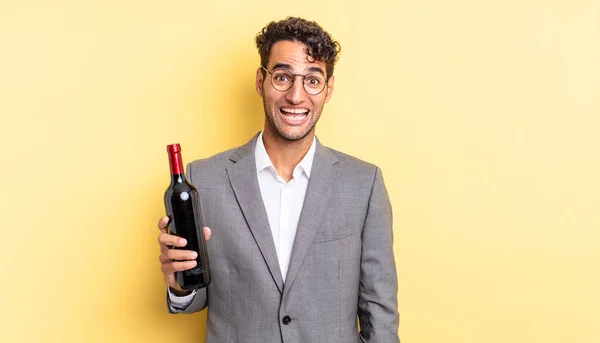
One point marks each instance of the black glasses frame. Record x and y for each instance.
(294, 80)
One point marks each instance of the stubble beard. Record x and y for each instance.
(280, 132)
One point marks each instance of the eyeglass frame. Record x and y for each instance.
(294, 80)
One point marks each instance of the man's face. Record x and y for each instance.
(292, 114)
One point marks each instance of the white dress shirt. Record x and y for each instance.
(283, 202)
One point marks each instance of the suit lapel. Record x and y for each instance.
(318, 194)
(244, 181)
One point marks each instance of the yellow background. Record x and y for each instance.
(484, 116)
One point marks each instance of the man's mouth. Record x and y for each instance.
(294, 114)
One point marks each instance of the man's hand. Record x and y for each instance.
(175, 260)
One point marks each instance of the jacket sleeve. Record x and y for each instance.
(198, 304)
(378, 288)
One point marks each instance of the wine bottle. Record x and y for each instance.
(181, 202)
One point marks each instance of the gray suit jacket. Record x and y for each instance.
(342, 264)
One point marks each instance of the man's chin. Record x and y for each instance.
(280, 131)
(293, 137)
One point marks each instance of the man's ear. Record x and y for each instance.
(329, 88)
(259, 81)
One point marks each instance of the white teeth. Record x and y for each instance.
(294, 118)
(294, 110)
(294, 114)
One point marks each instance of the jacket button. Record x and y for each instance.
(286, 320)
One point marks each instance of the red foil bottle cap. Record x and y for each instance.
(175, 162)
(172, 148)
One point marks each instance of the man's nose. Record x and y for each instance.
(296, 93)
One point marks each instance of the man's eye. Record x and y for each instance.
(282, 78)
(313, 81)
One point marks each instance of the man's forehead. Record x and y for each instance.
(293, 54)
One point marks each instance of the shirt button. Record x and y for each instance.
(286, 320)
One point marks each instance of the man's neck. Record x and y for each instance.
(285, 155)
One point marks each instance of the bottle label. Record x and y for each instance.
(195, 271)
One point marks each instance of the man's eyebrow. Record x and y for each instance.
(289, 67)
(316, 69)
(282, 66)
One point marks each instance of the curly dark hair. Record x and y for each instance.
(320, 45)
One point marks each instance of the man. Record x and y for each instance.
(301, 240)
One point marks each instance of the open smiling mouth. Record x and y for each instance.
(294, 115)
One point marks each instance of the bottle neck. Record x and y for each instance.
(177, 178)
(176, 164)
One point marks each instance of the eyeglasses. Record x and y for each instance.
(282, 80)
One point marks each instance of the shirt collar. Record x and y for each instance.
(263, 161)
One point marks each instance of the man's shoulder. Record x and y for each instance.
(216, 161)
(350, 163)
(221, 160)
